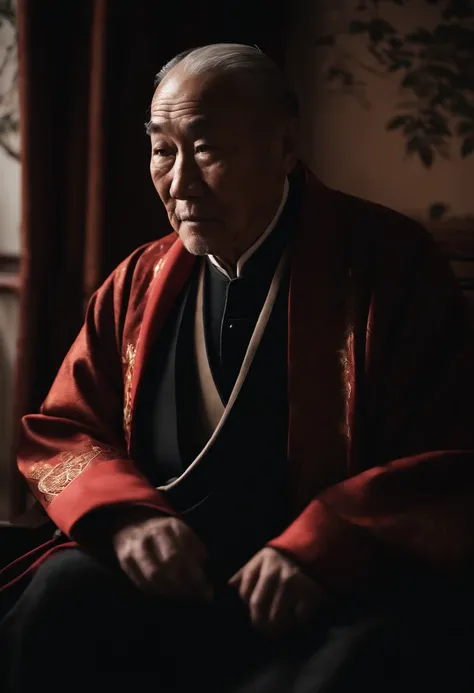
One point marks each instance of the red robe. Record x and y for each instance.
(380, 383)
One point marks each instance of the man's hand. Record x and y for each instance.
(280, 596)
(163, 556)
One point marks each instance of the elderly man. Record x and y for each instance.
(260, 446)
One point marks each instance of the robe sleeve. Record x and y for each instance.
(414, 503)
(73, 453)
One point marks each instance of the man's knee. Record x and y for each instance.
(72, 599)
(72, 581)
(71, 568)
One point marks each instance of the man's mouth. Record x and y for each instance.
(197, 219)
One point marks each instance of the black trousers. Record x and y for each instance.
(81, 624)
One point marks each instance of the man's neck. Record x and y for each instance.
(233, 268)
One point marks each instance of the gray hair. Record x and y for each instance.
(247, 62)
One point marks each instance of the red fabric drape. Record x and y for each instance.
(86, 80)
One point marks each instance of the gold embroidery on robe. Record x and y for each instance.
(53, 478)
(348, 358)
(347, 363)
(38, 469)
(158, 267)
(129, 361)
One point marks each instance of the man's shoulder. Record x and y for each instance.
(145, 259)
(379, 222)
(384, 244)
(136, 272)
(147, 256)
(365, 222)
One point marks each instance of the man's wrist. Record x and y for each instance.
(98, 528)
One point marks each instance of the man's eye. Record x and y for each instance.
(161, 152)
(204, 149)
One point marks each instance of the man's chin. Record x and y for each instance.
(195, 241)
(195, 245)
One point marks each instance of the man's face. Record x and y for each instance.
(218, 162)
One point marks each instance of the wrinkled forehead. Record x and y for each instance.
(213, 96)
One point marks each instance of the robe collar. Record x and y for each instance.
(319, 339)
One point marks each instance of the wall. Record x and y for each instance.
(8, 336)
(9, 166)
(345, 143)
(9, 246)
(9, 205)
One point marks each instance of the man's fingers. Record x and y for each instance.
(146, 574)
(284, 612)
(153, 578)
(262, 598)
(178, 536)
(187, 578)
(281, 610)
(279, 595)
(246, 579)
(236, 579)
(134, 572)
(179, 573)
(163, 556)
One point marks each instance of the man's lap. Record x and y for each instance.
(79, 609)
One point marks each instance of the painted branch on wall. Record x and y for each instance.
(434, 66)
(9, 102)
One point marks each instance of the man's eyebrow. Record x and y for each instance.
(195, 125)
(199, 124)
(152, 127)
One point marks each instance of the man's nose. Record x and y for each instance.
(185, 178)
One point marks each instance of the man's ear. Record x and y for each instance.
(290, 142)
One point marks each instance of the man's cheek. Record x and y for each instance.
(219, 178)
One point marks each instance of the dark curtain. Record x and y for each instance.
(86, 79)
